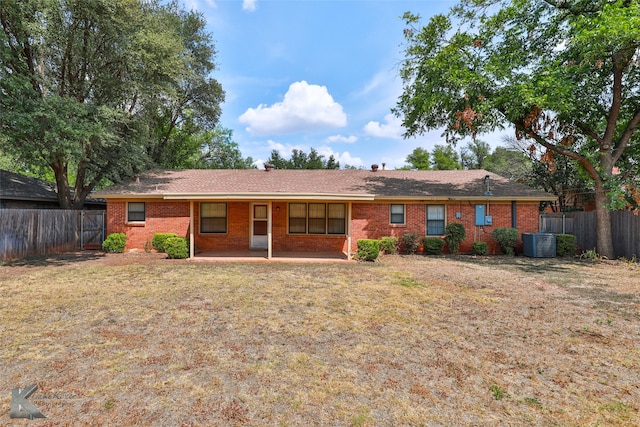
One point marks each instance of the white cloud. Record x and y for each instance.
(340, 138)
(344, 158)
(392, 128)
(249, 5)
(304, 107)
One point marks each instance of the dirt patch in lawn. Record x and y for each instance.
(136, 339)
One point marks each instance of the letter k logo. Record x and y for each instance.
(20, 407)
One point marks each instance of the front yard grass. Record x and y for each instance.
(136, 340)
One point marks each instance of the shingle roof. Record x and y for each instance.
(19, 187)
(346, 184)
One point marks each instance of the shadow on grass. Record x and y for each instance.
(524, 264)
(54, 260)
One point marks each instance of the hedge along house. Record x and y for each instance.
(315, 210)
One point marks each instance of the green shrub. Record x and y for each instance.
(389, 245)
(159, 240)
(410, 243)
(454, 234)
(506, 238)
(432, 245)
(566, 244)
(176, 247)
(368, 249)
(479, 248)
(115, 242)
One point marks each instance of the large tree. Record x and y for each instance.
(419, 159)
(564, 73)
(218, 150)
(95, 89)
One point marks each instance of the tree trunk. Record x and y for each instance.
(604, 237)
(62, 184)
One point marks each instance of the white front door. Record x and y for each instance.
(259, 222)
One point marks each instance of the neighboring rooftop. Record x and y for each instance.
(346, 184)
(14, 186)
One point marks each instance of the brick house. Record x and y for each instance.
(315, 210)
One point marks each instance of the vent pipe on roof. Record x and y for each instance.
(268, 167)
(137, 179)
(384, 165)
(487, 186)
(374, 167)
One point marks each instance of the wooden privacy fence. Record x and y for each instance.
(36, 232)
(625, 227)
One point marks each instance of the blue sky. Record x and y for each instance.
(317, 73)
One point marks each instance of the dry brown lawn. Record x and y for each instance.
(408, 341)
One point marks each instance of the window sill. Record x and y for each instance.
(135, 224)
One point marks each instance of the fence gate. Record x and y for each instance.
(91, 229)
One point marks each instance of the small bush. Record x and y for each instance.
(159, 240)
(454, 234)
(368, 249)
(389, 245)
(479, 248)
(115, 243)
(566, 244)
(176, 247)
(432, 245)
(410, 243)
(506, 238)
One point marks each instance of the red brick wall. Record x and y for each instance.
(369, 221)
(160, 217)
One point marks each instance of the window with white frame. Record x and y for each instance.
(396, 214)
(136, 212)
(317, 218)
(213, 217)
(435, 220)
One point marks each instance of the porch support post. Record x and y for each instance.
(269, 229)
(349, 230)
(191, 239)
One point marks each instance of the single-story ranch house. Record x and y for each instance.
(315, 210)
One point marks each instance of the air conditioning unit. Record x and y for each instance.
(539, 245)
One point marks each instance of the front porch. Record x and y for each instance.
(260, 255)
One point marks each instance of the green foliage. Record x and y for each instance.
(301, 160)
(566, 245)
(454, 234)
(479, 248)
(507, 238)
(444, 157)
(158, 240)
(559, 72)
(419, 159)
(98, 91)
(498, 392)
(176, 247)
(219, 151)
(115, 243)
(432, 245)
(368, 249)
(474, 154)
(389, 245)
(410, 243)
